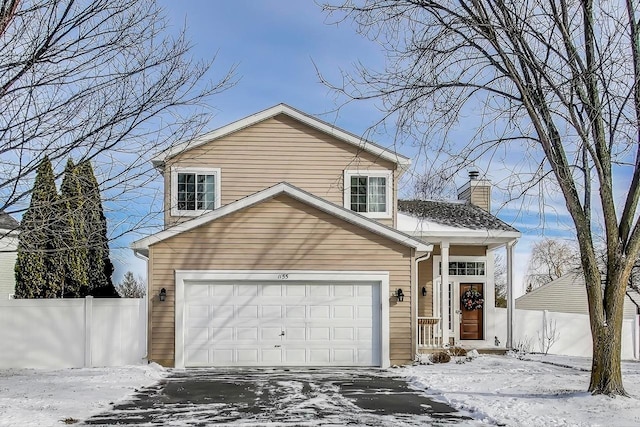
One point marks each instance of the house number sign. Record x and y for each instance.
(283, 276)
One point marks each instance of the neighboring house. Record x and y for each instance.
(284, 245)
(568, 294)
(8, 253)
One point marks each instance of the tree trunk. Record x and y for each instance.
(606, 332)
(606, 375)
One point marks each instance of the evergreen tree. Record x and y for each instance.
(73, 235)
(130, 287)
(99, 268)
(39, 272)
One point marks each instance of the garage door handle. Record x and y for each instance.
(281, 333)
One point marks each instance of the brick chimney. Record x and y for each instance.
(476, 191)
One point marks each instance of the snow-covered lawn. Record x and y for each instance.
(504, 390)
(36, 397)
(496, 390)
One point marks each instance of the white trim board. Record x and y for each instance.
(368, 146)
(208, 276)
(142, 245)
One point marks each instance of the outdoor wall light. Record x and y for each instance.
(163, 294)
(424, 291)
(400, 295)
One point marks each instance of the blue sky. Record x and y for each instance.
(275, 45)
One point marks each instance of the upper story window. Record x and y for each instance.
(369, 193)
(194, 190)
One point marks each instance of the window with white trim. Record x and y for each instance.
(194, 190)
(369, 193)
(465, 268)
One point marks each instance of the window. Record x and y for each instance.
(194, 191)
(465, 268)
(369, 193)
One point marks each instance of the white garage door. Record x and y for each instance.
(252, 323)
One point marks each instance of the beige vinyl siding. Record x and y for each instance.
(564, 295)
(276, 150)
(278, 234)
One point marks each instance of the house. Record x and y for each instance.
(8, 253)
(284, 244)
(568, 294)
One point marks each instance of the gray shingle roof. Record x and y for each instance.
(7, 222)
(454, 214)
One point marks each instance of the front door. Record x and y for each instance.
(471, 326)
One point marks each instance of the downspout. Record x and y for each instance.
(417, 294)
(146, 306)
(510, 299)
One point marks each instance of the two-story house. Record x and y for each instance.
(285, 245)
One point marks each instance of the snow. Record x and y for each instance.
(494, 390)
(47, 397)
(540, 390)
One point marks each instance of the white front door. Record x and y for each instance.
(301, 323)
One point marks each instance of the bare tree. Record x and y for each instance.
(551, 259)
(557, 83)
(99, 80)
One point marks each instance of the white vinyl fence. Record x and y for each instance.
(72, 333)
(564, 333)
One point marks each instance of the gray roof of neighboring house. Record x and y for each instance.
(454, 214)
(7, 222)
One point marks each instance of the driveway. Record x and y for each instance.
(301, 397)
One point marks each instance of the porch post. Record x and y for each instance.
(444, 291)
(510, 299)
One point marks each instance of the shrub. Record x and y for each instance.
(440, 357)
(458, 351)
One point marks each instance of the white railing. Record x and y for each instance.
(429, 333)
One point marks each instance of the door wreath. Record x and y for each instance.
(472, 299)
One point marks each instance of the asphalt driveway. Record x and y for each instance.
(301, 397)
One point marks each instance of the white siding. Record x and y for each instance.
(8, 246)
(567, 294)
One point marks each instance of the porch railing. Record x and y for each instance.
(429, 333)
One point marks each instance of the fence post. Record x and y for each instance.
(636, 336)
(88, 320)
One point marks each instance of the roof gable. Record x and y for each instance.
(347, 137)
(7, 222)
(142, 245)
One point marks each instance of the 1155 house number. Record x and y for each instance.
(283, 276)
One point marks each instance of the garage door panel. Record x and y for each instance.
(320, 312)
(343, 312)
(272, 356)
(295, 311)
(344, 291)
(343, 334)
(221, 290)
(272, 290)
(198, 336)
(295, 334)
(241, 324)
(247, 312)
(295, 291)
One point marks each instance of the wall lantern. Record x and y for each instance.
(400, 295)
(163, 294)
(424, 291)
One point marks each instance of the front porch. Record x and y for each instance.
(429, 339)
